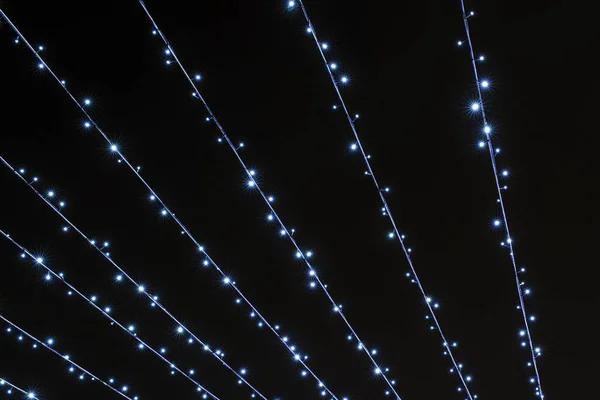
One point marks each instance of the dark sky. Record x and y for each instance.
(266, 84)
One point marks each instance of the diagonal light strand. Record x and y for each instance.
(11, 386)
(73, 365)
(381, 190)
(525, 334)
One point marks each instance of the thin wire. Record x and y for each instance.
(387, 211)
(153, 299)
(186, 232)
(132, 333)
(501, 201)
(265, 197)
(65, 357)
(30, 395)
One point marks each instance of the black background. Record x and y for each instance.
(266, 84)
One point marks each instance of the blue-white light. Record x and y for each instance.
(485, 84)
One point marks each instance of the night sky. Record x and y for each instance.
(265, 82)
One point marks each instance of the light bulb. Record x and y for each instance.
(485, 84)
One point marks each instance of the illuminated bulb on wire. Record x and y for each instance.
(197, 77)
(460, 43)
(41, 66)
(309, 30)
(344, 79)
(141, 289)
(291, 4)
(475, 106)
(324, 46)
(334, 66)
(505, 173)
(271, 199)
(180, 329)
(87, 125)
(62, 204)
(226, 280)
(353, 146)
(39, 260)
(163, 212)
(113, 147)
(87, 102)
(485, 84)
(481, 58)
(487, 129)
(167, 52)
(481, 145)
(50, 341)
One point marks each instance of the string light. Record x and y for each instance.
(139, 288)
(12, 386)
(209, 261)
(386, 212)
(73, 366)
(525, 333)
(130, 330)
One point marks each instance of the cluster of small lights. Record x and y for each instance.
(73, 368)
(356, 146)
(208, 261)
(524, 336)
(130, 329)
(181, 329)
(8, 387)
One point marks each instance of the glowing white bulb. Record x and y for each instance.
(270, 217)
(497, 222)
(243, 371)
(481, 58)
(50, 341)
(252, 172)
(344, 79)
(391, 235)
(505, 173)
(226, 280)
(48, 277)
(62, 204)
(271, 199)
(334, 66)
(487, 129)
(377, 371)
(41, 66)
(119, 278)
(87, 124)
(251, 183)
(324, 46)
(113, 147)
(460, 43)
(51, 194)
(39, 260)
(353, 146)
(475, 106)
(31, 395)
(485, 84)
(309, 30)
(87, 102)
(163, 212)
(291, 4)
(152, 197)
(141, 289)
(167, 52)
(481, 145)
(107, 309)
(197, 77)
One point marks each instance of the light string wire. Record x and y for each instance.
(298, 357)
(386, 210)
(131, 330)
(48, 345)
(273, 216)
(524, 334)
(142, 289)
(11, 386)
